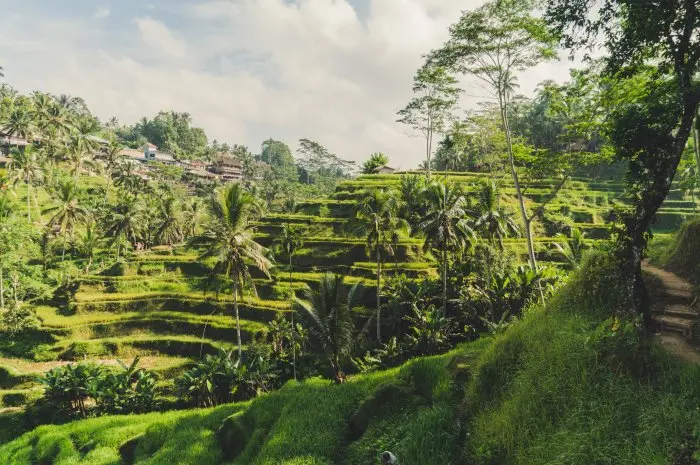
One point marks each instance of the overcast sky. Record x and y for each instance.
(335, 71)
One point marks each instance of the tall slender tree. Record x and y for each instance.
(446, 226)
(26, 168)
(376, 218)
(124, 221)
(492, 220)
(290, 241)
(493, 43)
(68, 212)
(430, 111)
(228, 238)
(658, 41)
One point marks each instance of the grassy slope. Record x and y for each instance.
(546, 391)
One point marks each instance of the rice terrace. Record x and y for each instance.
(465, 264)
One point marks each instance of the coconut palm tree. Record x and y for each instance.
(446, 226)
(111, 156)
(78, 157)
(89, 242)
(67, 212)
(26, 167)
(19, 123)
(376, 218)
(290, 241)
(328, 313)
(83, 134)
(493, 221)
(228, 238)
(193, 214)
(169, 228)
(411, 188)
(124, 221)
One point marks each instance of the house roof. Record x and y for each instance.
(226, 159)
(383, 167)
(132, 153)
(164, 156)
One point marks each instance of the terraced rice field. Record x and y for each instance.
(159, 306)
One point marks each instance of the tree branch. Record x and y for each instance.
(544, 204)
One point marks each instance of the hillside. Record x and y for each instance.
(565, 385)
(156, 304)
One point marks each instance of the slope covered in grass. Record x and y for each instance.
(679, 253)
(566, 385)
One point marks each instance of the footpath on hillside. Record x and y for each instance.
(675, 314)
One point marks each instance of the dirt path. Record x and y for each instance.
(675, 314)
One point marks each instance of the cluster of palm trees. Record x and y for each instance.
(441, 212)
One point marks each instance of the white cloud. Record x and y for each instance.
(101, 13)
(158, 37)
(250, 69)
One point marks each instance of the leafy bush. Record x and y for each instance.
(68, 387)
(131, 390)
(212, 381)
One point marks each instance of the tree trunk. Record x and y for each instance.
(651, 199)
(2, 289)
(427, 152)
(63, 254)
(696, 143)
(29, 200)
(444, 280)
(294, 345)
(502, 100)
(238, 322)
(379, 298)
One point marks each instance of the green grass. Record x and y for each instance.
(547, 390)
(84, 297)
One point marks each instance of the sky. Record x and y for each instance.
(335, 71)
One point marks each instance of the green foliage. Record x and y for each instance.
(375, 161)
(680, 253)
(430, 111)
(213, 380)
(327, 313)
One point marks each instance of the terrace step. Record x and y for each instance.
(674, 313)
(678, 311)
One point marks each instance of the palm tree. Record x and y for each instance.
(57, 121)
(491, 219)
(572, 246)
(169, 229)
(377, 219)
(68, 212)
(19, 123)
(328, 312)
(124, 221)
(26, 167)
(84, 130)
(111, 156)
(446, 225)
(126, 178)
(411, 188)
(291, 241)
(89, 243)
(68, 103)
(193, 215)
(78, 157)
(228, 238)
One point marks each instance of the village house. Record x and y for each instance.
(227, 167)
(384, 169)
